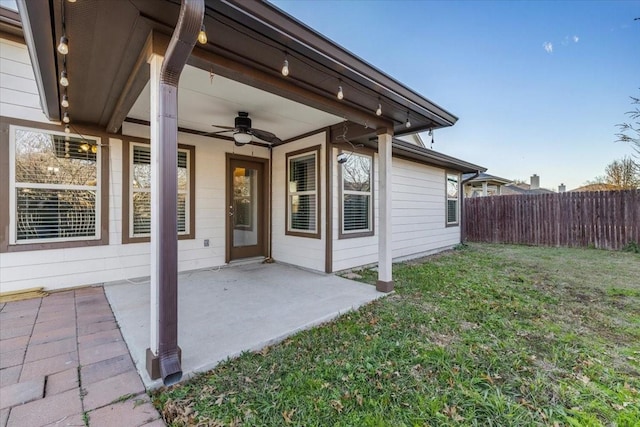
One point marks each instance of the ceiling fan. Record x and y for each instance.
(243, 132)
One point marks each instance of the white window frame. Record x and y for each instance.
(447, 199)
(314, 152)
(13, 185)
(132, 190)
(343, 193)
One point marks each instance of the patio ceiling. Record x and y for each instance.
(248, 41)
(204, 101)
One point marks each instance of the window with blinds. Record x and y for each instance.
(303, 192)
(357, 198)
(55, 188)
(140, 191)
(452, 199)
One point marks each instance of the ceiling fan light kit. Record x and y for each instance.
(243, 133)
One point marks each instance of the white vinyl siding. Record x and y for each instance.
(140, 193)
(303, 193)
(54, 186)
(357, 196)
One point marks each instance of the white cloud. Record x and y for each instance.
(548, 47)
(576, 39)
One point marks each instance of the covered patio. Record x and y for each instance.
(226, 311)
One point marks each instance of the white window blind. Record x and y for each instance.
(356, 193)
(140, 197)
(303, 194)
(55, 190)
(452, 199)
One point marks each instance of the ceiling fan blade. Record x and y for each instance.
(223, 127)
(264, 135)
(218, 131)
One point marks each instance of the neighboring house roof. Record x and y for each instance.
(414, 139)
(252, 39)
(524, 189)
(596, 187)
(484, 177)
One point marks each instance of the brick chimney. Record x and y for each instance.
(535, 182)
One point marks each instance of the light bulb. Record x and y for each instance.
(72, 1)
(64, 81)
(65, 101)
(85, 147)
(285, 68)
(63, 46)
(66, 118)
(407, 123)
(67, 129)
(202, 35)
(340, 93)
(379, 110)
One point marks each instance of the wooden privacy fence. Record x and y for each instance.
(602, 219)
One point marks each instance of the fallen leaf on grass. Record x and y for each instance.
(585, 379)
(287, 415)
(337, 405)
(452, 412)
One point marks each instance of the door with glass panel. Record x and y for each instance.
(245, 209)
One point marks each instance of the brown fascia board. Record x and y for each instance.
(10, 23)
(41, 52)
(293, 32)
(433, 157)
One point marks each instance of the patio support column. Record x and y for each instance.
(155, 63)
(485, 189)
(385, 278)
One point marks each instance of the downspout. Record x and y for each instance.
(182, 42)
(463, 237)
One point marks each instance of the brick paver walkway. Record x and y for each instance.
(63, 362)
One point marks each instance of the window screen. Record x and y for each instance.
(303, 194)
(356, 193)
(140, 216)
(55, 187)
(452, 199)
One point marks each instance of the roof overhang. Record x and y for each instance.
(248, 40)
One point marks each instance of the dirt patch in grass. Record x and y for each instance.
(487, 335)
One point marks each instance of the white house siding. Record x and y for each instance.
(419, 210)
(418, 217)
(70, 267)
(18, 90)
(302, 251)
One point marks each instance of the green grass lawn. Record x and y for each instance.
(486, 335)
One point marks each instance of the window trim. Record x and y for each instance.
(317, 234)
(456, 223)
(355, 234)
(7, 124)
(127, 194)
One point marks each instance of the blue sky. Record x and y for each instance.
(538, 86)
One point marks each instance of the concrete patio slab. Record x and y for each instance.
(223, 312)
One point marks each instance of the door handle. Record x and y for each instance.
(230, 210)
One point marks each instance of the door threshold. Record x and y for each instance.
(246, 261)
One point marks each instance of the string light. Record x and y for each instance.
(379, 110)
(407, 124)
(65, 101)
(202, 35)
(340, 93)
(67, 129)
(66, 118)
(63, 46)
(72, 1)
(64, 81)
(285, 66)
